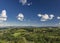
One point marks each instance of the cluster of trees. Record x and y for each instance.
(30, 35)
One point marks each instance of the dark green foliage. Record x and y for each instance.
(30, 35)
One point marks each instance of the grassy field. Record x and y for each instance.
(30, 35)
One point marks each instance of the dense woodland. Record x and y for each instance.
(30, 35)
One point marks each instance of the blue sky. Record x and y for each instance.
(30, 11)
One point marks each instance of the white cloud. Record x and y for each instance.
(20, 17)
(29, 3)
(3, 16)
(51, 16)
(45, 17)
(24, 2)
(39, 15)
(58, 17)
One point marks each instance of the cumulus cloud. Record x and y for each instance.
(20, 17)
(45, 17)
(58, 17)
(3, 16)
(24, 2)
